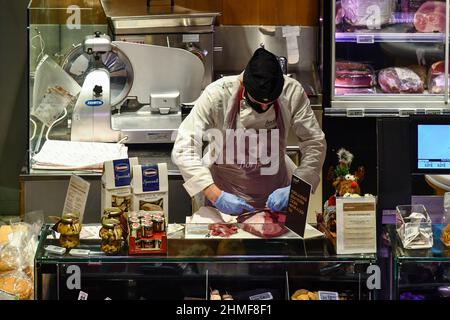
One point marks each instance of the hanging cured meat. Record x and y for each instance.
(430, 17)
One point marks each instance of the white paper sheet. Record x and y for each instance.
(72, 155)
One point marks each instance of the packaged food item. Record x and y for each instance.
(159, 224)
(147, 228)
(354, 75)
(303, 294)
(436, 78)
(116, 184)
(111, 235)
(17, 284)
(69, 228)
(150, 189)
(400, 80)
(371, 14)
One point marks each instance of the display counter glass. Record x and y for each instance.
(192, 268)
(421, 274)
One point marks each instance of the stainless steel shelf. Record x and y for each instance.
(374, 37)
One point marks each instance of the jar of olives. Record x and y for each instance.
(69, 228)
(111, 235)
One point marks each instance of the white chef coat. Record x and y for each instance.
(209, 113)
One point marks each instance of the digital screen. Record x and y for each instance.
(433, 146)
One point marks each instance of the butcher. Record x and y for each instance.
(261, 101)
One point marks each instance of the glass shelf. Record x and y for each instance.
(181, 250)
(373, 37)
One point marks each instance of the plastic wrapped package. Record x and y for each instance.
(368, 13)
(400, 80)
(16, 284)
(17, 260)
(436, 78)
(354, 75)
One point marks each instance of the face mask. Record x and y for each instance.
(255, 105)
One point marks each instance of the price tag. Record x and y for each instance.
(262, 296)
(365, 39)
(82, 296)
(328, 295)
(76, 197)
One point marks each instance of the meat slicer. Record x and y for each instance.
(130, 91)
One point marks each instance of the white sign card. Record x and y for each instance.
(356, 227)
(76, 197)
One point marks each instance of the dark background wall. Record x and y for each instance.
(13, 100)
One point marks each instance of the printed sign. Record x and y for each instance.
(76, 197)
(298, 205)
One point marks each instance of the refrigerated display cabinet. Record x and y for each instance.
(420, 274)
(387, 57)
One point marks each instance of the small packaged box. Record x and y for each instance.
(116, 184)
(151, 189)
(414, 227)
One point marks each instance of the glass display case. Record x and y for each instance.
(274, 269)
(57, 30)
(389, 56)
(420, 274)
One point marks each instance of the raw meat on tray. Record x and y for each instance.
(431, 17)
(265, 224)
(400, 80)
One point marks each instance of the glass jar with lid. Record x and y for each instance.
(118, 214)
(69, 228)
(111, 235)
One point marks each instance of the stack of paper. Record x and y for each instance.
(72, 155)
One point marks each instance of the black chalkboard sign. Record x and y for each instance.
(298, 205)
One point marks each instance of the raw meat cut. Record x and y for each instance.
(400, 80)
(339, 13)
(421, 71)
(436, 78)
(222, 230)
(430, 17)
(368, 13)
(354, 75)
(264, 224)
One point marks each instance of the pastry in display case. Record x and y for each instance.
(389, 54)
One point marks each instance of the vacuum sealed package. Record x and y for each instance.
(436, 78)
(371, 14)
(151, 188)
(53, 91)
(116, 184)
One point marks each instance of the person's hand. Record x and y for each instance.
(278, 200)
(230, 204)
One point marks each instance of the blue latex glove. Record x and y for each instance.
(230, 204)
(278, 200)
